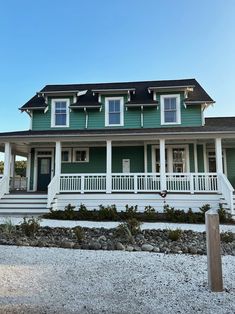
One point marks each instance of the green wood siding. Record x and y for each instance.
(230, 156)
(96, 164)
(190, 116)
(134, 153)
(200, 158)
(191, 158)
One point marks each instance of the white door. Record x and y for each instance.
(126, 165)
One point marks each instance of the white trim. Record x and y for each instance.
(204, 157)
(69, 150)
(107, 99)
(178, 109)
(108, 166)
(53, 101)
(224, 158)
(169, 148)
(81, 149)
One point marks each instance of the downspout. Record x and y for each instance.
(142, 116)
(86, 118)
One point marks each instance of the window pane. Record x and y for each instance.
(80, 155)
(170, 116)
(45, 166)
(60, 119)
(65, 156)
(114, 118)
(111, 106)
(117, 105)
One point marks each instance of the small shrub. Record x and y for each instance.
(8, 227)
(133, 225)
(204, 208)
(174, 235)
(123, 232)
(69, 212)
(107, 213)
(224, 216)
(149, 211)
(79, 233)
(30, 226)
(131, 211)
(227, 237)
(83, 212)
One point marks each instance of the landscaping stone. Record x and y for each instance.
(190, 242)
(120, 246)
(147, 247)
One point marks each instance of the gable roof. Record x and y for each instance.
(140, 93)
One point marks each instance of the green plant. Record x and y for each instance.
(131, 211)
(8, 227)
(133, 225)
(204, 208)
(224, 216)
(30, 226)
(69, 212)
(149, 211)
(107, 213)
(227, 237)
(122, 231)
(174, 235)
(79, 233)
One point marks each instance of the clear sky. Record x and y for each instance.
(57, 41)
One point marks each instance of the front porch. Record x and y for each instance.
(146, 168)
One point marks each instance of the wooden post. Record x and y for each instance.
(214, 263)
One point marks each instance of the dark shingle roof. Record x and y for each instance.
(141, 94)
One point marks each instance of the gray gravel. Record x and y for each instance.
(51, 280)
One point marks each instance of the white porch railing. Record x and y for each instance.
(139, 182)
(192, 182)
(18, 183)
(227, 190)
(53, 189)
(4, 185)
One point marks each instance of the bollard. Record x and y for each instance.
(214, 263)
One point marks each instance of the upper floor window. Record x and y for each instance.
(114, 111)
(170, 109)
(60, 113)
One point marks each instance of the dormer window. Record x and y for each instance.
(114, 111)
(170, 109)
(60, 113)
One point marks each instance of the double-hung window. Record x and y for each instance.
(60, 113)
(114, 111)
(170, 109)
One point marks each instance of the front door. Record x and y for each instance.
(44, 173)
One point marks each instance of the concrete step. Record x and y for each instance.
(25, 196)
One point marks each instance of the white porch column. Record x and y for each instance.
(162, 164)
(195, 157)
(145, 158)
(7, 165)
(219, 160)
(218, 154)
(57, 158)
(28, 170)
(108, 166)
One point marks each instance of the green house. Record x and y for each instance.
(120, 143)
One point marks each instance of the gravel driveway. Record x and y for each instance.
(50, 280)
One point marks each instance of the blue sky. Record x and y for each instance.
(74, 41)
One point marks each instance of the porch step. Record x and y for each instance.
(24, 204)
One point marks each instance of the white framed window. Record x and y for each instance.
(170, 109)
(60, 112)
(114, 111)
(66, 155)
(81, 155)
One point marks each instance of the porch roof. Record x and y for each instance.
(223, 125)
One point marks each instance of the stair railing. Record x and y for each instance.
(226, 190)
(53, 189)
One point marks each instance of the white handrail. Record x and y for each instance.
(226, 190)
(53, 189)
(4, 182)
